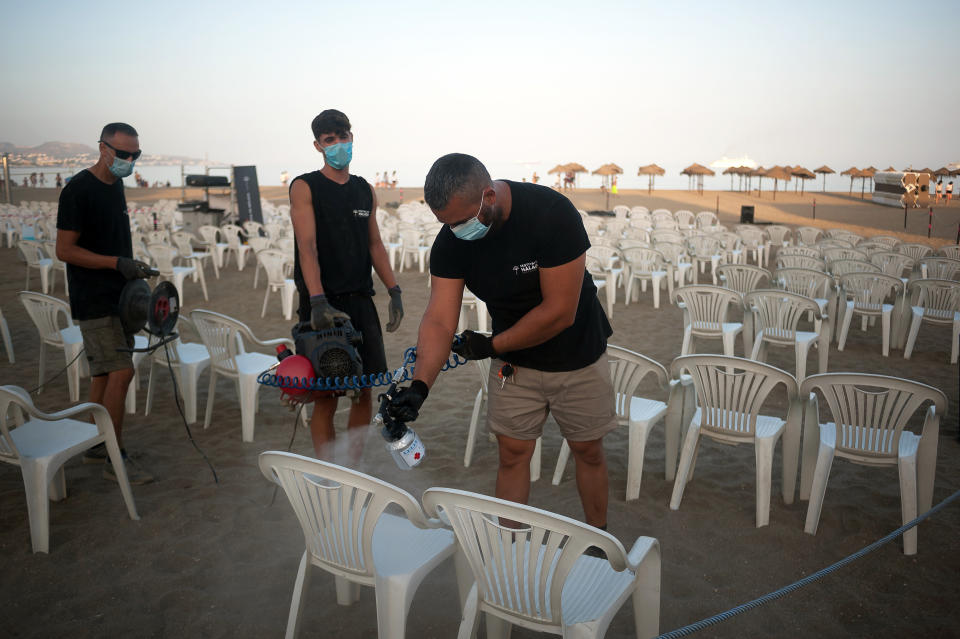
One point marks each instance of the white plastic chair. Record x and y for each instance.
(188, 361)
(184, 243)
(483, 366)
(776, 315)
(232, 233)
(938, 268)
(275, 263)
(800, 261)
(869, 414)
(705, 311)
(706, 219)
(603, 280)
(7, 342)
(645, 265)
(952, 251)
(685, 220)
(640, 414)
(730, 394)
(804, 251)
(818, 286)
(471, 301)
(869, 295)
(258, 243)
(348, 534)
(50, 248)
(892, 262)
(536, 575)
(937, 302)
(224, 338)
(742, 278)
(678, 267)
(411, 241)
(915, 251)
(36, 259)
(210, 234)
(45, 312)
(41, 444)
(755, 241)
(807, 235)
(703, 250)
(163, 255)
(779, 236)
(252, 229)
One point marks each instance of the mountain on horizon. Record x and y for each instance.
(62, 150)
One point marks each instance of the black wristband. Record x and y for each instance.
(421, 389)
(394, 289)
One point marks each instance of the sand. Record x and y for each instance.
(218, 560)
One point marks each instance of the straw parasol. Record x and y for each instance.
(731, 171)
(868, 172)
(606, 171)
(560, 168)
(852, 172)
(697, 171)
(889, 168)
(758, 173)
(804, 175)
(777, 173)
(942, 172)
(652, 171)
(824, 170)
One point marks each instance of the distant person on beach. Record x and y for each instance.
(521, 248)
(43, 180)
(25, 180)
(33, 180)
(536, 178)
(613, 184)
(393, 180)
(949, 191)
(939, 190)
(337, 242)
(94, 240)
(59, 181)
(284, 177)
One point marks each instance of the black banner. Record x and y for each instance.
(248, 193)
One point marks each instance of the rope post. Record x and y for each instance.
(930, 223)
(904, 217)
(718, 205)
(814, 208)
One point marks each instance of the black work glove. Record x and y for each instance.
(396, 309)
(323, 315)
(473, 345)
(132, 269)
(406, 402)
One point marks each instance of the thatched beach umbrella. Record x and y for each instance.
(731, 171)
(697, 171)
(824, 170)
(868, 172)
(758, 173)
(942, 172)
(651, 171)
(889, 168)
(803, 175)
(560, 168)
(927, 171)
(852, 172)
(606, 171)
(777, 173)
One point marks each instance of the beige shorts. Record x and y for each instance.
(581, 401)
(101, 339)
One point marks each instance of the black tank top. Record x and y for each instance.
(342, 216)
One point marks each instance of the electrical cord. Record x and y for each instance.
(176, 399)
(58, 374)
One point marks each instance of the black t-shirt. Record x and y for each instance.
(543, 230)
(98, 211)
(341, 213)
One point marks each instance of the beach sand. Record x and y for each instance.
(219, 560)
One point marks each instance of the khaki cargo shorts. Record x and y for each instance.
(581, 401)
(101, 339)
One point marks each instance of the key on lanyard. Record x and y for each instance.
(505, 371)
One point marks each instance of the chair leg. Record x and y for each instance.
(646, 595)
(470, 619)
(914, 331)
(562, 459)
(348, 592)
(763, 454)
(497, 628)
(188, 389)
(198, 272)
(820, 476)
(38, 504)
(299, 597)
(535, 460)
(248, 405)
(954, 348)
(685, 349)
(266, 296)
(8, 343)
(907, 468)
(690, 444)
(472, 431)
(149, 391)
(637, 437)
(845, 326)
(211, 387)
(886, 333)
(800, 350)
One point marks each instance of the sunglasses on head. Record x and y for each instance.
(123, 155)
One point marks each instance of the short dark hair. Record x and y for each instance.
(453, 174)
(330, 121)
(118, 127)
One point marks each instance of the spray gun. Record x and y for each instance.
(403, 443)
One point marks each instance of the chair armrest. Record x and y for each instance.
(641, 548)
(273, 342)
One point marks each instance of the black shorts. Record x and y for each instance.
(363, 316)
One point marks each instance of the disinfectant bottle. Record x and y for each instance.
(403, 444)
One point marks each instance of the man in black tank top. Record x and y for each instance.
(338, 241)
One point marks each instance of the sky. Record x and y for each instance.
(521, 85)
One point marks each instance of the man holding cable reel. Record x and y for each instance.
(93, 238)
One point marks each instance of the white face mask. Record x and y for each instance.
(472, 229)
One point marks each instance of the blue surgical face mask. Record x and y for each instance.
(472, 229)
(339, 155)
(121, 168)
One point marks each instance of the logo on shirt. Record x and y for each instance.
(526, 267)
(361, 213)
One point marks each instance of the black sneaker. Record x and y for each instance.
(95, 455)
(136, 475)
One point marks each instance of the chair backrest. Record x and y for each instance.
(223, 337)
(742, 277)
(643, 261)
(639, 210)
(592, 225)
(621, 211)
(273, 262)
(671, 251)
(595, 267)
(707, 306)
(286, 244)
(834, 254)
(666, 235)
(259, 243)
(869, 290)
(632, 233)
(940, 299)
(338, 508)
(916, 251)
(627, 371)
(252, 229)
(804, 281)
(664, 221)
(685, 219)
(159, 236)
(952, 251)
(183, 240)
(731, 390)
(808, 235)
(803, 251)
(641, 221)
(702, 246)
(891, 262)
(845, 267)
(45, 310)
(776, 313)
(871, 411)
(209, 233)
(778, 233)
(163, 255)
(939, 268)
(32, 251)
(232, 233)
(606, 254)
(889, 240)
(411, 238)
(846, 236)
(833, 242)
(752, 237)
(629, 243)
(521, 571)
(604, 240)
(614, 227)
(706, 218)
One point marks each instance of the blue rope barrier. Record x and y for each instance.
(355, 382)
(776, 594)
